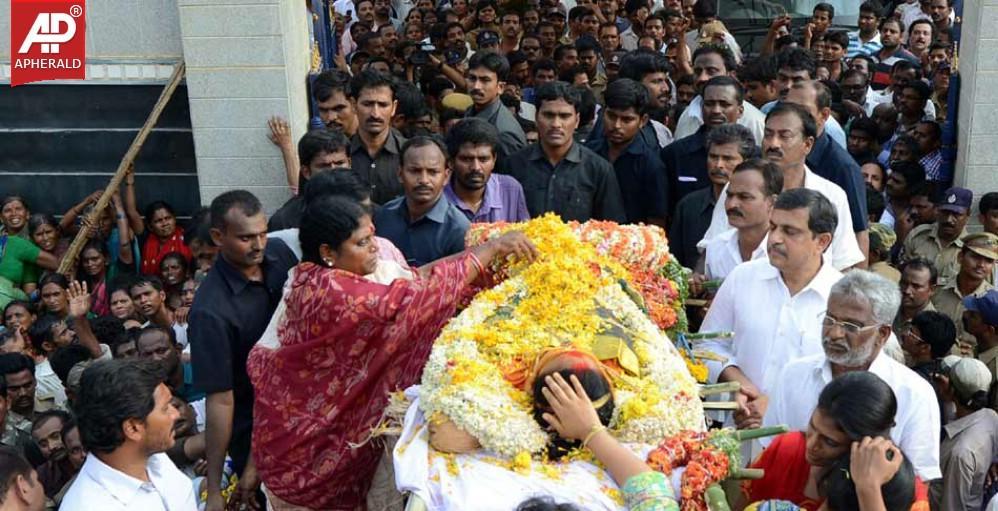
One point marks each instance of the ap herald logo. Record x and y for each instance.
(48, 40)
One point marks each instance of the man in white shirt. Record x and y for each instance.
(752, 191)
(772, 305)
(708, 62)
(790, 135)
(855, 328)
(126, 423)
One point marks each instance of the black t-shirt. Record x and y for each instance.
(227, 318)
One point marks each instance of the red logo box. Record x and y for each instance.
(48, 40)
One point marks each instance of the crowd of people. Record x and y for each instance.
(806, 187)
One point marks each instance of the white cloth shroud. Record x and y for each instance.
(485, 486)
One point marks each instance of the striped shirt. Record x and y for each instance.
(858, 47)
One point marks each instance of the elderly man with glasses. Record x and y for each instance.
(854, 330)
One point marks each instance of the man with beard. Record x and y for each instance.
(795, 281)
(862, 142)
(422, 223)
(331, 93)
(890, 53)
(634, 157)
(558, 174)
(854, 329)
(941, 242)
(486, 78)
(752, 191)
(383, 16)
(150, 298)
(126, 423)
(374, 149)
(918, 282)
(651, 70)
(157, 343)
(47, 434)
(976, 263)
(510, 32)
(686, 159)
(230, 312)
(727, 147)
(474, 189)
(922, 206)
(856, 99)
(929, 136)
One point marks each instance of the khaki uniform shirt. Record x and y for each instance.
(886, 271)
(923, 241)
(948, 300)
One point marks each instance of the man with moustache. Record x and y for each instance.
(486, 78)
(686, 159)
(374, 149)
(854, 329)
(942, 240)
(918, 281)
(47, 434)
(790, 135)
(976, 262)
(331, 93)
(480, 194)
(422, 223)
(558, 174)
(157, 343)
(752, 191)
(230, 312)
(789, 292)
(728, 146)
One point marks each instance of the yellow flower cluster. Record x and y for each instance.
(567, 297)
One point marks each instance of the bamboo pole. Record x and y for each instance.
(69, 260)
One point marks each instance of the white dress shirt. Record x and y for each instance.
(50, 394)
(723, 254)
(917, 424)
(771, 327)
(844, 250)
(99, 486)
(692, 119)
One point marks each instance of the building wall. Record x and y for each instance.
(246, 61)
(977, 158)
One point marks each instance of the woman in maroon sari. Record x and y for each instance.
(338, 345)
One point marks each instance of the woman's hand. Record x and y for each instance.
(869, 464)
(574, 416)
(79, 299)
(514, 243)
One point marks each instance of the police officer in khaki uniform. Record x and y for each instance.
(940, 242)
(882, 238)
(981, 320)
(976, 262)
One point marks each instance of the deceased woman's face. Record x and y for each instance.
(596, 388)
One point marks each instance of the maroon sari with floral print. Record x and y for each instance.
(344, 344)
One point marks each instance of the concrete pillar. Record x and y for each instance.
(246, 60)
(977, 157)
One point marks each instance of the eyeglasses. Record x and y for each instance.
(910, 334)
(849, 328)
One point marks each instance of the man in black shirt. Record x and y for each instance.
(559, 175)
(318, 150)
(230, 312)
(374, 149)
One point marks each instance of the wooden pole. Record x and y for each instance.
(69, 260)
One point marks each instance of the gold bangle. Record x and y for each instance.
(597, 429)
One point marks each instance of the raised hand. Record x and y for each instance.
(79, 299)
(280, 132)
